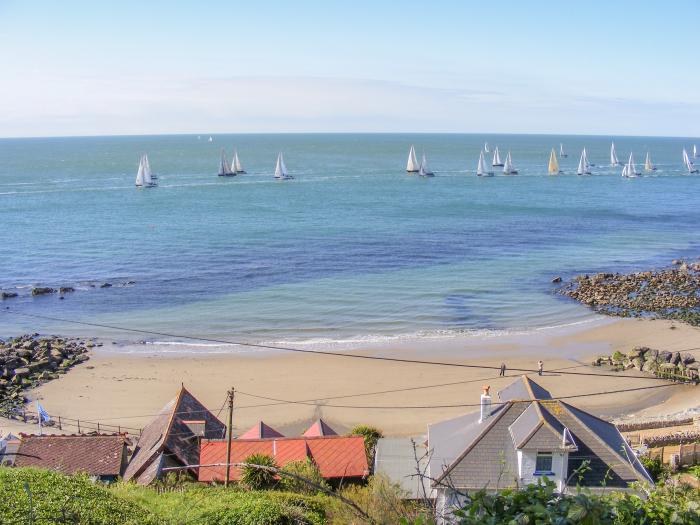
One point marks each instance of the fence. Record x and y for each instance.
(78, 426)
(687, 455)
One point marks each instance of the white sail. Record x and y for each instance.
(553, 168)
(496, 158)
(486, 147)
(224, 168)
(236, 164)
(688, 163)
(613, 156)
(561, 151)
(147, 179)
(412, 163)
(281, 169)
(631, 168)
(480, 168)
(624, 170)
(139, 173)
(587, 163)
(424, 170)
(508, 166)
(648, 165)
(695, 151)
(581, 170)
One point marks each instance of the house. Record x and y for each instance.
(404, 461)
(172, 439)
(9, 444)
(100, 456)
(338, 458)
(527, 436)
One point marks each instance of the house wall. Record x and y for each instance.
(527, 459)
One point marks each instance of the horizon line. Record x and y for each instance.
(185, 134)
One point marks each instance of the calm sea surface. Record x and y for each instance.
(353, 249)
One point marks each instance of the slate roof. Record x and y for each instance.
(335, 456)
(469, 455)
(319, 428)
(169, 439)
(100, 455)
(396, 459)
(260, 431)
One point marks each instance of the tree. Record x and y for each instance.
(259, 478)
(305, 469)
(371, 435)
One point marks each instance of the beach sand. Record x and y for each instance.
(127, 389)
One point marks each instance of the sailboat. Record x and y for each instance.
(424, 170)
(496, 158)
(236, 165)
(211, 139)
(281, 170)
(588, 163)
(224, 169)
(648, 165)
(689, 163)
(583, 168)
(630, 170)
(412, 163)
(508, 168)
(486, 147)
(561, 151)
(553, 168)
(481, 169)
(695, 151)
(613, 156)
(144, 177)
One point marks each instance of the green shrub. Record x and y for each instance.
(305, 469)
(56, 498)
(655, 467)
(259, 478)
(371, 435)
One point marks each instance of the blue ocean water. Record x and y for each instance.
(352, 249)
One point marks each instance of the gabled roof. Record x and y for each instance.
(101, 455)
(529, 418)
(167, 432)
(538, 428)
(335, 456)
(260, 430)
(319, 428)
(523, 388)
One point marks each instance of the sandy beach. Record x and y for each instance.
(127, 389)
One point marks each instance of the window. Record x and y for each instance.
(543, 464)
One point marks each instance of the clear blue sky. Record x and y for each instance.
(600, 67)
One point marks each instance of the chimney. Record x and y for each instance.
(485, 404)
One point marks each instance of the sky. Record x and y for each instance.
(150, 67)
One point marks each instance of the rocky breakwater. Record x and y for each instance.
(672, 365)
(29, 360)
(671, 293)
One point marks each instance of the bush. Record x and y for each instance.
(305, 469)
(371, 436)
(655, 467)
(56, 498)
(258, 478)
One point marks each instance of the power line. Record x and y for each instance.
(307, 351)
(461, 405)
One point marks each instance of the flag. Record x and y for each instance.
(43, 414)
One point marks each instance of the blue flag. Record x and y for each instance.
(43, 414)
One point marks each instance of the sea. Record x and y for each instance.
(353, 251)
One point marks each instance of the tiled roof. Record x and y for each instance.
(398, 460)
(95, 455)
(335, 456)
(169, 433)
(260, 431)
(320, 428)
(523, 388)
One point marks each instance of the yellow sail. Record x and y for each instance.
(553, 163)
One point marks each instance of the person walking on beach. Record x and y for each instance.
(503, 370)
(540, 367)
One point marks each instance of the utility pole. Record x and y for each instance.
(231, 393)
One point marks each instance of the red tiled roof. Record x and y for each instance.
(320, 428)
(335, 456)
(260, 431)
(101, 455)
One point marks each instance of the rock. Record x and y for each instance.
(106, 285)
(42, 291)
(8, 295)
(676, 262)
(651, 354)
(638, 363)
(693, 366)
(687, 358)
(66, 289)
(650, 366)
(22, 372)
(676, 358)
(556, 280)
(665, 356)
(635, 352)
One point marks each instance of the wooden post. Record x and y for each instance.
(231, 394)
(59, 423)
(98, 427)
(78, 426)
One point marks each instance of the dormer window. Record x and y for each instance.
(543, 463)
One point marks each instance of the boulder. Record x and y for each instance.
(66, 289)
(693, 366)
(106, 285)
(42, 290)
(637, 363)
(676, 358)
(687, 358)
(22, 372)
(635, 352)
(650, 366)
(8, 295)
(556, 280)
(651, 354)
(665, 356)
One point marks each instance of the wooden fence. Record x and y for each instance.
(688, 455)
